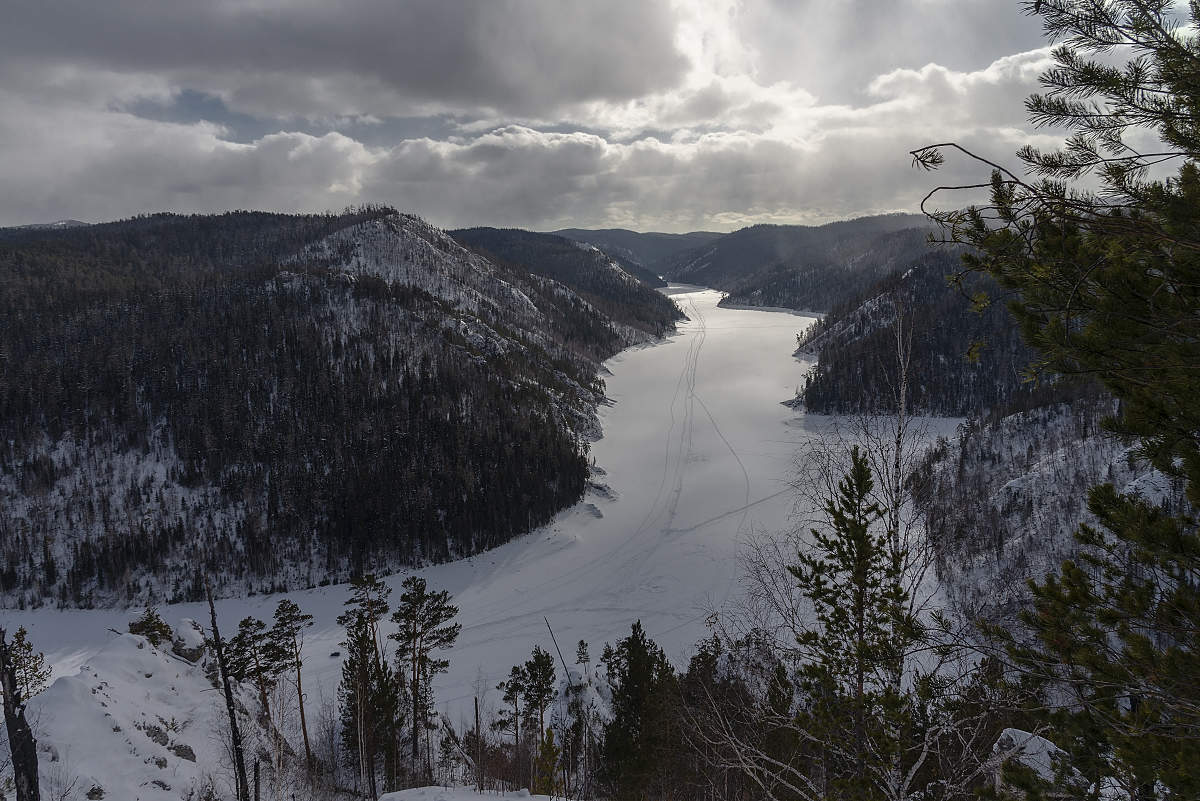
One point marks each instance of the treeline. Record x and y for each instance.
(201, 395)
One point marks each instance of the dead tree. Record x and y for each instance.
(235, 736)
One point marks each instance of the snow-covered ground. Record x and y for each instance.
(453, 794)
(697, 451)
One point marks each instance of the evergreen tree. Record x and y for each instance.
(545, 772)
(21, 742)
(423, 620)
(250, 658)
(33, 674)
(371, 690)
(1105, 284)
(513, 693)
(371, 706)
(151, 626)
(860, 629)
(539, 675)
(286, 640)
(642, 684)
(539, 687)
(369, 600)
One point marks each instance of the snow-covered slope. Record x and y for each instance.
(1007, 497)
(133, 722)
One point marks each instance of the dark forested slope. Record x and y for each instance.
(278, 400)
(597, 277)
(801, 267)
(647, 249)
(857, 349)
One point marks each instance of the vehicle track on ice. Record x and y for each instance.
(677, 446)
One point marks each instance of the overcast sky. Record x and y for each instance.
(674, 116)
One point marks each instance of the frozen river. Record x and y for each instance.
(697, 450)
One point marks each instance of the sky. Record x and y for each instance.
(646, 114)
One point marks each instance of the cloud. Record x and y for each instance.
(297, 58)
(668, 116)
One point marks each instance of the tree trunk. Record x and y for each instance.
(416, 696)
(262, 688)
(308, 763)
(20, 736)
(478, 750)
(235, 736)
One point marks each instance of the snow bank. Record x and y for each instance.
(451, 794)
(1031, 750)
(133, 723)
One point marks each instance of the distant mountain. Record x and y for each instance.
(801, 267)
(646, 249)
(598, 278)
(53, 226)
(276, 401)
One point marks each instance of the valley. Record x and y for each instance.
(697, 450)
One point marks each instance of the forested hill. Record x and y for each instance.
(801, 267)
(648, 249)
(596, 276)
(963, 362)
(278, 400)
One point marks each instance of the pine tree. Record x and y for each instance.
(539, 687)
(422, 617)
(286, 640)
(368, 599)
(33, 674)
(1106, 284)
(250, 659)
(513, 693)
(151, 626)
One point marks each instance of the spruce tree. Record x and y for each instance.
(545, 781)
(860, 628)
(642, 683)
(367, 708)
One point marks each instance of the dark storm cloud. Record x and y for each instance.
(303, 58)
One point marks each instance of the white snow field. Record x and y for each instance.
(453, 794)
(697, 450)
